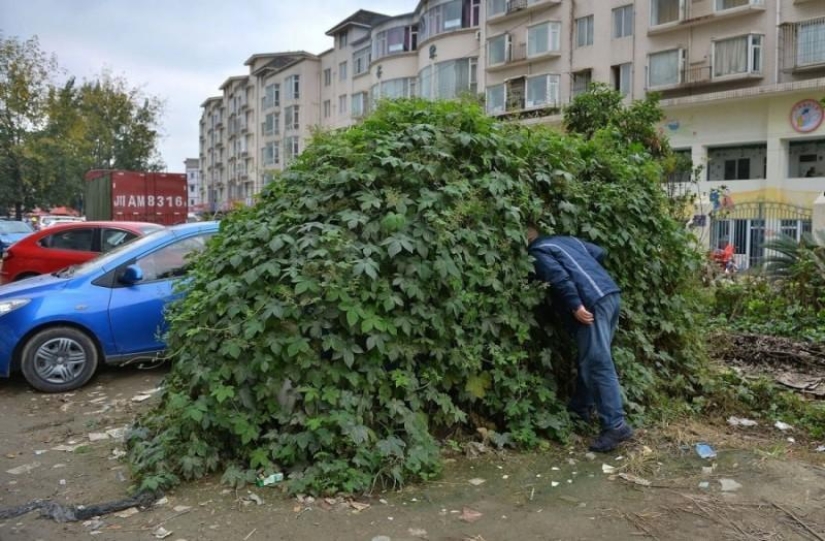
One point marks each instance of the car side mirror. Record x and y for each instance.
(131, 275)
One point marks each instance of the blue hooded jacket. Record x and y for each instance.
(573, 269)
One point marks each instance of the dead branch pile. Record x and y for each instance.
(795, 364)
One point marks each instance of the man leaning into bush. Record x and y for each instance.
(578, 281)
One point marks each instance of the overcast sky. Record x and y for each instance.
(178, 50)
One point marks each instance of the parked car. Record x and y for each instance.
(59, 246)
(57, 328)
(12, 231)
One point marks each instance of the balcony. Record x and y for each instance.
(516, 8)
(675, 16)
(802, 45)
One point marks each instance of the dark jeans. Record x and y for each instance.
(597, 383)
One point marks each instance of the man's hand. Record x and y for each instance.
(583, 316)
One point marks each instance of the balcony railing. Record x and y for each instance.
(701, 75)
(516, 54)
(696, 75)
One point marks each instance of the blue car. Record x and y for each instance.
(11, 231)
(57, 328)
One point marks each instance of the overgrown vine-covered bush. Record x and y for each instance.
(377, 297)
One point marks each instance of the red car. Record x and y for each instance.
(62, 245)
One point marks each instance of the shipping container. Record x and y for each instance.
(134, 196)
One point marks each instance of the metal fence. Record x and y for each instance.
(749, 225)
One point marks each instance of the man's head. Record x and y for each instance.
(532, 232)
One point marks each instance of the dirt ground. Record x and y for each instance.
(760, 486)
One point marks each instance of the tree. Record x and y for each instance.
(51, 135)
(25, 81)
(602, 108)
(122, 124)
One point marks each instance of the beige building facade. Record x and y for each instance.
(740, 82)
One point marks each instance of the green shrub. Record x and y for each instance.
(377, 297)
(788, 299)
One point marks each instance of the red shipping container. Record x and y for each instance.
(135, 196)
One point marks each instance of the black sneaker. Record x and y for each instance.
(610, 439)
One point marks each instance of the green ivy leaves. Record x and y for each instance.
(378, 293)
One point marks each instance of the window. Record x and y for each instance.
(449, 16)
(722, 5)
(584, 31)
(475, 12)
(359, 104)
(738, 169)
(342, 40)
(171, 261)
(623, 21)
(806, 158)
(292, 147)
(292, 118)
(581, 81)
(497, 49)
(543, 90)
(395, 88)
(79, 240)
(666, 11)
(543, 38)
(496, 7)
(327, 76)
(665, 68)
(810, 46)
(743, 162)
(293, 87)
(361, 61)
(496, 99)
(112, 238)
(272, 96)
(425, 82)
(622, 78)
(449, 79)
(327, 108)
(270, 154)
(400, 39)
(342, 71)
(342, 104)
(269, 126)
(738, 55)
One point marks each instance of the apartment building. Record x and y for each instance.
(194, 185)
(740, 82)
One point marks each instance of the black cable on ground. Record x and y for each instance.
(74, 513)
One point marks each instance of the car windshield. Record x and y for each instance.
(12, 228)
(104, 259)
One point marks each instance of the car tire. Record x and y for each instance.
(24, 276)
(59, 359)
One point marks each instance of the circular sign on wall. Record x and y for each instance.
(806, 116)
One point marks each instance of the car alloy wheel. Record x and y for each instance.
(59, 359)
